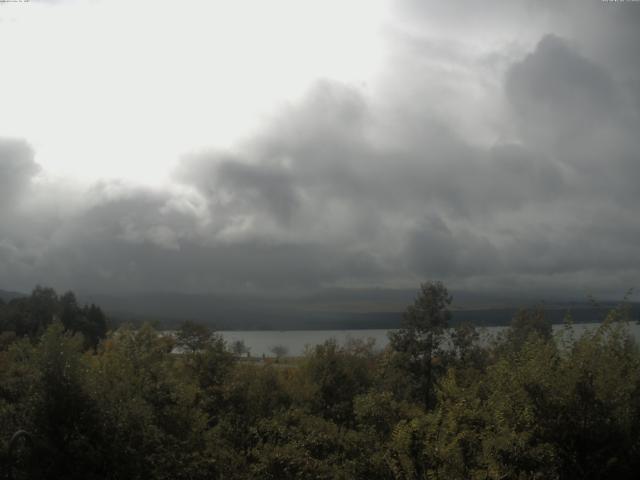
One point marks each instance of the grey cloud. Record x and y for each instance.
(560, 95)
(255, 184)
(139, 239)
(572, 108)
(381, 193)
(112, 264)
(371, 196)
(433, 249)
(17, 168)
(238, 188)
(347, 188)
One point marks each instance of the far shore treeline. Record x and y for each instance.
(84, 397)
(330, 309)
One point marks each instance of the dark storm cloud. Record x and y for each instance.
(432, 249)
(427, 207)
(128, 238)
(350, 188)
(242, 188)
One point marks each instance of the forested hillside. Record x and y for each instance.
(122, 404)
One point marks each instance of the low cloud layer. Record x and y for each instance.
(533, 192)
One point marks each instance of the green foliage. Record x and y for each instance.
(192, 337)
(239, 348)
(527, 323)
(377, 413)
(296, 445)
(417, 343)
(148, 418)
(89, 320)
(279, 351)
(333, 377)
(18, 376)
(437, 404)
(64, 415)
(30, 317)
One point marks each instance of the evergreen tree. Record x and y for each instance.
(419, 339)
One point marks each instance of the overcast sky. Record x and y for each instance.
(289, 145)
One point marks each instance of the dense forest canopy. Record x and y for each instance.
(115, 403)
(30, 316)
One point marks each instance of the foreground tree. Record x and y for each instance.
(279, 351)
(332, 377)
(30, 317)
(239, 348)
(528, 322)
(417, 343)
(193, 337)
(90, 321)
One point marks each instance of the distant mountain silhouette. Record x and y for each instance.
(335, 308)
(7, 295)
(326, 309)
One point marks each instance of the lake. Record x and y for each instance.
(260, 341)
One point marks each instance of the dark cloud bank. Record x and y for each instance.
(323, 199)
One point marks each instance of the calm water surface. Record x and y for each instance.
(260, 342)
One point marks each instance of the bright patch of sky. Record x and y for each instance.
(124, 89)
